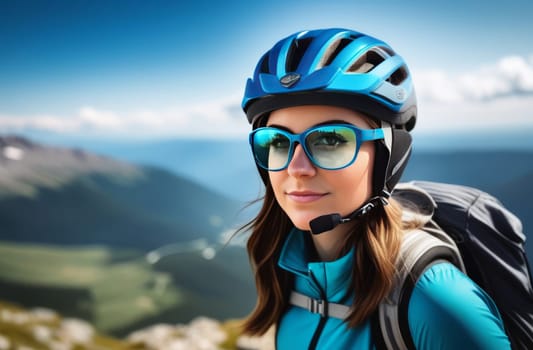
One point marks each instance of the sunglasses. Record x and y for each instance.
(330, 147)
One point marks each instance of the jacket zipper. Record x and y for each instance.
(323, 318)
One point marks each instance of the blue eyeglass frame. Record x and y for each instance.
(361, 135)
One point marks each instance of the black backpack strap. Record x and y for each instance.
(377, 334)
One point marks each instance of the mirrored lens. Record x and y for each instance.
(332, 147)
(271, 148)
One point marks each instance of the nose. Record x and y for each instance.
(300, 164)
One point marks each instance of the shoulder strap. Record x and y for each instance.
(421, 248)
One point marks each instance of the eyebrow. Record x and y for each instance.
(329, 122)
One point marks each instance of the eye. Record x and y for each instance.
(279, 142)
(329, 139)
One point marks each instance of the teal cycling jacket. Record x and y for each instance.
(447, 310)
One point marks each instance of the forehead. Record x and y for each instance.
(300, 118)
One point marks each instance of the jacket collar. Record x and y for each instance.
(332, 277)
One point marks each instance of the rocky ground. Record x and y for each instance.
(43, 329)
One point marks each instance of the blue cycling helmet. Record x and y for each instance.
(343, 68)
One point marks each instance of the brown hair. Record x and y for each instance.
(376, 239)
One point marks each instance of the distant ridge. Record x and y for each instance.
(71, 196)
(26, 166)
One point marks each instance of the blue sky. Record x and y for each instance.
(154, 69)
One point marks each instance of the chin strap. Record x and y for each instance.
(382, 199)
(328, 222)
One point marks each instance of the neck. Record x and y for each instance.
(329, 244)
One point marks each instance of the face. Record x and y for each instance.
(305, 191)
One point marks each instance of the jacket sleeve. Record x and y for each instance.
(447, 310)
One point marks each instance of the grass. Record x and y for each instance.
(119, 292)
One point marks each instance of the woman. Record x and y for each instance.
(331, 112)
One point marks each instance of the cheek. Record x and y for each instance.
(356, 183)
(276, 180)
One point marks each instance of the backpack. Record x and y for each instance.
(475, 232)
(468, 228)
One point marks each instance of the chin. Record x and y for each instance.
(303, 227)
(302, 223)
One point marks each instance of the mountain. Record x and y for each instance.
(120, 245)
(225, 166)
(64, 196)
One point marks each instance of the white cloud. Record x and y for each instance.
(507, 113)
(495, 95)
(509, 76)
(38, 122)
(98, 119)
(213, 119)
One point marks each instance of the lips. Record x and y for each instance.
(305, 196)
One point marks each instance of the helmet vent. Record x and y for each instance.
(366, 62)
(398, 76)
(388, 50)
(295, 53)
(332, 51)
(264, 64)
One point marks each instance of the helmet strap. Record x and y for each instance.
(392, 154)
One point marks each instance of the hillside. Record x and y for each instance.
(82, 198)
(119, 245)
(119, 291)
